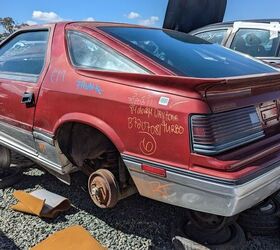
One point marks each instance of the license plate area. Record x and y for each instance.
(269, 113)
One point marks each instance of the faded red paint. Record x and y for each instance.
(126, 108)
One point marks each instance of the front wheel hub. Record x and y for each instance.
(103, 188)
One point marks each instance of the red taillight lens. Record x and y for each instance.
(216, 133)
(199, 131)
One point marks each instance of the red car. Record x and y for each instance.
(172, 116)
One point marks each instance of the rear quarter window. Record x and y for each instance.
(86, 52)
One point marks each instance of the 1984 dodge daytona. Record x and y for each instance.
(172, 116)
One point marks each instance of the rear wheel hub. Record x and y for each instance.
(103, 188)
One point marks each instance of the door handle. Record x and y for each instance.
(28, 99)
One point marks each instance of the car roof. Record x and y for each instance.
(230, 23)
(91, 24)
(103, 24)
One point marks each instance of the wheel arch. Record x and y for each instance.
(93, 122)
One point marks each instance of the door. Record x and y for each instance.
(22, 63)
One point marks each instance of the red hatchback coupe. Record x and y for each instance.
(176, 118)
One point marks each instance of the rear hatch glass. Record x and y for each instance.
(186, 55)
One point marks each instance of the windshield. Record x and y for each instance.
(187, 55)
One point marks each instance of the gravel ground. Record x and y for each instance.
(135, 223)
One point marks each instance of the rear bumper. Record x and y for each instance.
(202, 193)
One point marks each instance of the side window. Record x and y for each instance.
(24, 53)
(213, 36)
(85, 51)
(255, 42)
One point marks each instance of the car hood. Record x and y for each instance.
(188, 15)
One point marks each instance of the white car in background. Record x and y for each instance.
(258, 38)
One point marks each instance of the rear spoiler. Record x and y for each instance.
(237, 92)
(177, 85)
(212, 90)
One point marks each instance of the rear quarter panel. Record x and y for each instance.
(144, 123)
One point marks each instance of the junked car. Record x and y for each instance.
(163, 113)
(258, 38)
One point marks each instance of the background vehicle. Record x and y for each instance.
(258, 38)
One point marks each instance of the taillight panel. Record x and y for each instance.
(215, 133)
